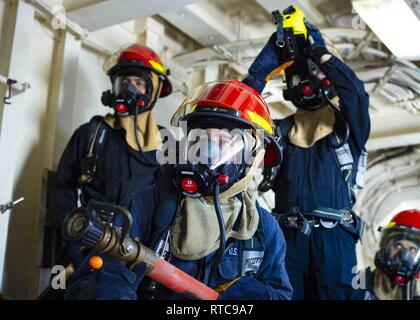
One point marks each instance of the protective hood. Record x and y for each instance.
(311, 126)
(196, 233)
(147, 128)
(385, 289)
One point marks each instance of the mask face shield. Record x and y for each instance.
(215, 148)
(213, 155)
(402, 241)
(133, 91)
(223, 154)
(400, 247)
(308, 89)
(138, 84)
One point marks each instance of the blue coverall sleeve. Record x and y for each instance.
(354, 101)
(271, 281)
(64, 197)
(64, 193)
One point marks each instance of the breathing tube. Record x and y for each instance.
(343, 120)
(221, 222)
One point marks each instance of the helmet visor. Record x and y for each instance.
(141, 83)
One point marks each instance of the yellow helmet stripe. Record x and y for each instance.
(260, 121)
(391, 224)
(157, 66)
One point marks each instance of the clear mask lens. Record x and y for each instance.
(399, 245)
(135, 84)
(215, 147)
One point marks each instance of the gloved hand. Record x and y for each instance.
(111, 282)
(115, 281)
(318, 43)
(315, 35)
(245, 288)
(265, 64)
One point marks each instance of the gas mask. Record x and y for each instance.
(134, 91)
(307, 86)
(399, 257)
(212, 160)
(211, 156)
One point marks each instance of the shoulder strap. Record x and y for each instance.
(97, 135)
(347, 166)
(282, 131)
(345, 163)
(360, 180)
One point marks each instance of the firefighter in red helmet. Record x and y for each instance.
(141, 68)
(213, 227)
(113, 158)
(396, 276)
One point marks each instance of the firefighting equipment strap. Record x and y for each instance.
(326, 217)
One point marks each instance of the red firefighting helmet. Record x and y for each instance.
(231, 100)
(138, 56)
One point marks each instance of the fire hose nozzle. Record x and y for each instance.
(93, 227)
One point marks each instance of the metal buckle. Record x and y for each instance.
(328, 224)
(291, 221)
(347, 217)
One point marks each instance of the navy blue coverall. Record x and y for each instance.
(319, 265)
(123, 179)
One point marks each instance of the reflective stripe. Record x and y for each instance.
(326, 214)
(344, 156)
(361, 170)
(263, 123)
(157, 66)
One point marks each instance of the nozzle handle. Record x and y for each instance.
(83, 227)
